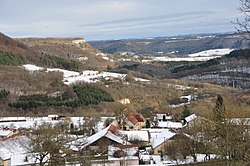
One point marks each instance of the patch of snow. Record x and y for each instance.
(189, 97)
(31, 67)
(169, 59)
(66, 73)
(83, 58)
(200, 56)
(88, 76)
(124, 101)
(176, 105)
(181, 87)
(101, 54)
(26, 159)
(168, 162)
(79, 41)
(137, 135)
(130, 152)
(212, 52)
(160, 52)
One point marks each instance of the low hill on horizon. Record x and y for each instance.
(180, 45)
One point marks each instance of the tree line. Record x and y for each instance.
(85, 95)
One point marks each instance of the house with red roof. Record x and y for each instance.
(133, 121)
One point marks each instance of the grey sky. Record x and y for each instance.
(115, 19)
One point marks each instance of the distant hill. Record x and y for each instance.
(180, 45)
(67, 53)
(230, 70)
(76, 49)
(71, 54)
(17, 49)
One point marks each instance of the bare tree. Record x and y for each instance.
(48, 144)
(243, 25)
(175, 151)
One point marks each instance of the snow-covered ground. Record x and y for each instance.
(29, 122)
(216, 52)
(167, 161)
(199, 56)
(168, 59)
(188, 97)
(88, 76)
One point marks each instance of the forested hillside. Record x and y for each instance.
(39, 92)
(179, 45)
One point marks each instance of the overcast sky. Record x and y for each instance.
(115, 19)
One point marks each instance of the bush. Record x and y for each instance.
(4, 93)
(8, 58)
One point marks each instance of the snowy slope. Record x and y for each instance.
(88, 76)
(213, 52)
(199, 56)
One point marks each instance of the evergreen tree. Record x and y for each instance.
(219, 110)
(185, 113)
(222, 130)
(147, 124)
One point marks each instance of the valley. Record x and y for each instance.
(52, 67)
(118, 102)
(125, 83)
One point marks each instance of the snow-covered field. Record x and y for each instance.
(88, 76)
(199, 56)
(168, 59)
(215, 52)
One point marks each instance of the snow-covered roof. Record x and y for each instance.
(12, 119)
(5, 133)
(4, 154)
(190, 118)
(12, 146)
(160, 138)
(27, 122)
(24, 122)
(107, 132)
(137, 135)
(169, 124)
